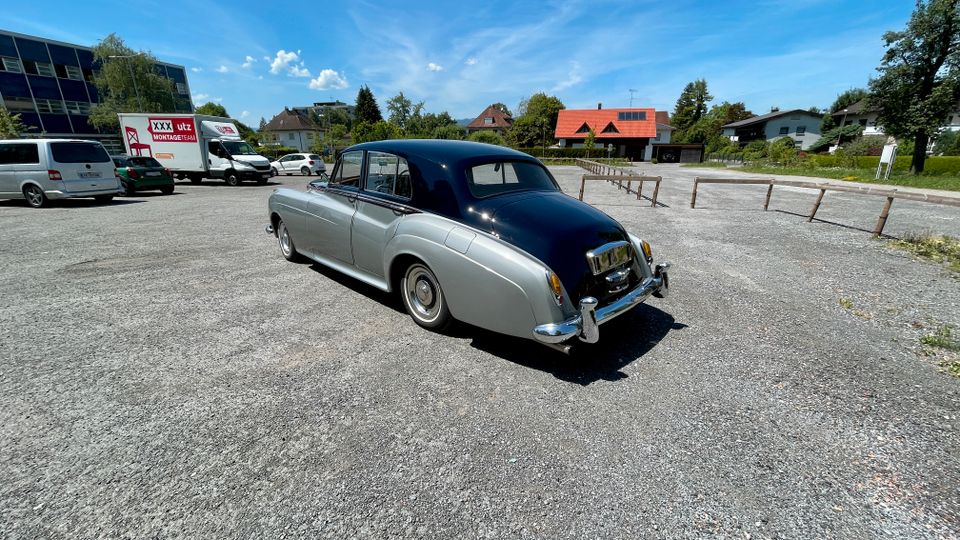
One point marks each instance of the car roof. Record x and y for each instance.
(442, 150)
(48, 140)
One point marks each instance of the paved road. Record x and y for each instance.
(165, 373)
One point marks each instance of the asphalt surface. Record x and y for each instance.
(164, 372)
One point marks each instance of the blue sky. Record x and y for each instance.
(257, 57)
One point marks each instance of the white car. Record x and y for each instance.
(305, 164)
(42, 169)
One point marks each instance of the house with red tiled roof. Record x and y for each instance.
(291, 128)
(491, 119)
(621, 132)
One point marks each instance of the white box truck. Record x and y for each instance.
(194, 146)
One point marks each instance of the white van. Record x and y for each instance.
(42, 169)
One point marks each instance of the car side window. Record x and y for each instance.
(349, 168)
(19, 153)
(388, 174)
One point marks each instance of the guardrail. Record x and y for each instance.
(890, 194)
(617, 179)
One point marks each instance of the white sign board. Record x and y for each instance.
(889, 153)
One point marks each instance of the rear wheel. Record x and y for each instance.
(305, 170)
(231, 178)
(166, 190)
(196, 179)
(34, 195)
(423, 298)
(274, 171)
(103, 198)
(287, 249)
(128, 189)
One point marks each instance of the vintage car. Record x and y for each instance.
(473, 232)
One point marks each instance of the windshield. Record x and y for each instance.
(144, 162)
(239, 148)
(79, 152)
(505, 176)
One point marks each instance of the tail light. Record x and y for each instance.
(310, 162)
(132, 173)
(166, 170)
(54, 175)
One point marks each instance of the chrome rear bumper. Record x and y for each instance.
(586, 326)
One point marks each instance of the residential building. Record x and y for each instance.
(50, 84)
(634, 133)
(800, 125)
(291, 128)
(321, 108)
(491, 119)
(867, 116)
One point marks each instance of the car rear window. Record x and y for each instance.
(314, 156)
(499, 177)
(120, 162)
(78, 152)
(144, 162)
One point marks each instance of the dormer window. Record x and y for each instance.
(610, 128)
(488, 120)
(584, 128)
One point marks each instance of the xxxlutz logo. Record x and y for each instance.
(172, 130)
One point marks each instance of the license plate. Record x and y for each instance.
(265, 175)
(153, 173)
(89, 175)
(608, 256)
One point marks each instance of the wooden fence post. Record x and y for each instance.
(766, 204)
(816, 205)
(656, 190)
(620, 185)
(693, 196)
(583, 184)
(878, 230)
(639, 188)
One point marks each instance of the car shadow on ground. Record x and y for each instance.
(221, 184)
(68, 203)
(623, 341)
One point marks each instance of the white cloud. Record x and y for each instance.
(217, 99)
(471, 61)
(299, 71)
(329, 79)
(248, 61)
(434, 67)
(196, 69)
(200, 97)
(244, 114)
(222, 69)
(283, 60)
(573, 77)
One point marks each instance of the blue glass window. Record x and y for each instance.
(631, 115)
(94, 96)
(32, 50)
(74, 90)
(33, 120)
(56, 123)
(44, 87)
(86, 58)
(14, 85)
(81, 124)
(6, 46)
(63, 55)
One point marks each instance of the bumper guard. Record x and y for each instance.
(586, 326)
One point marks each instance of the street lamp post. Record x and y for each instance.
(134, 79)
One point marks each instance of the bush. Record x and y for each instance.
(783, 150)
(273, 152)
(565, 152)
(866, 146)
(488, 137)
(756, 150)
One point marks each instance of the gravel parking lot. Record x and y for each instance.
(164, 372)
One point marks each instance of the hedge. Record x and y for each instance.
(597, 152)
(932, 165)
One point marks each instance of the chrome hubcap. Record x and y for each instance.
(34, 196)
(422, 294)
(284, 240)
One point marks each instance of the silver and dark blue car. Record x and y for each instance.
(473, 232)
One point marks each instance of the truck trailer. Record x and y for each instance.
(194, 146)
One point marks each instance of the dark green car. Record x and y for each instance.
(138, 173)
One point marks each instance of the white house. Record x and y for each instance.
(290, 128)
(800, 125)
(866, 116)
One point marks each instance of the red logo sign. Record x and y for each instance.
(172, 130)
(226, 130)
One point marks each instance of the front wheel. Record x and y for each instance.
(231, 178)
(195, 179)
(103, 198)
(424, 299)
(287, 249)
(274, 171)
(34, 195)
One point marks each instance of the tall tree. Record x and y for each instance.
(367, 109)
(213, 109)
(11, 127)
(919, 81)
(127, 81)
(400, 107)
(848, 98)
(502, 108)
(543, 107)
(690, 107)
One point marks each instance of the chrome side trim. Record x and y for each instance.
(586, 326)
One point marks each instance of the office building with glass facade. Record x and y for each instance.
(50, 84)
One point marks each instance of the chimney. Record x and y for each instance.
(774, 109)
(599, 105)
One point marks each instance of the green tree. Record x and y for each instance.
(690, 107)
(213, 109)
(544, 107)
(423, 126)
(590, 141)
(502, 108)
(449, 131)
(948, 143)
(919, 81)
(367, 109)
(525, 132)
(376, 131)
(11, 127)
(487, 136)
(127, 81)
(827, 123)
(848, 98)
(537, 123)
(400, 108)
